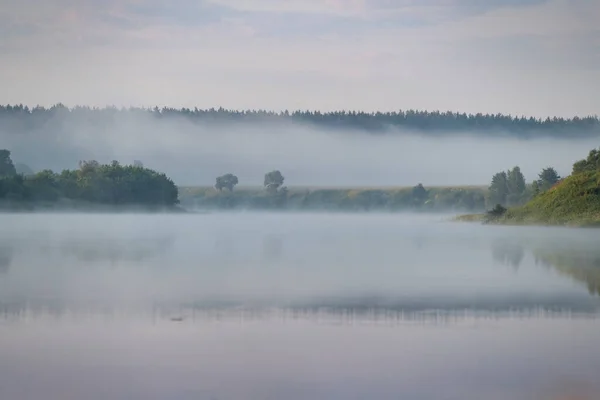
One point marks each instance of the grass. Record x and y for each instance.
(575, 201)
(469, 218)
(187, 191)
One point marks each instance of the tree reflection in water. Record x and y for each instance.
(6, 256)
(508, 252)
(573, 258)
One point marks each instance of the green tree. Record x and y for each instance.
(227, 181)
(110, 184)
(547, 178)
(7, 168)
(12, 188)
(273, 180)
(535, 188)
(516, 181)
(498, 190)
(43, 186)
(419, 194)
(591, 163)
(516, 186)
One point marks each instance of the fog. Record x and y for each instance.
(261, 259)
(194, 154)
(284, 305)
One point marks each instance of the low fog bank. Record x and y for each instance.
(195, 154)
(410, 262)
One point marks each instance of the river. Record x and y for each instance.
(295, 306)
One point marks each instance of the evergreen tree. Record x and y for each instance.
(498, 190)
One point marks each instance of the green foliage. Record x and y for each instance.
(43, 186)
(417, 198)
(547, 178)
(273, 180)
(495, 213)
(573, 201)
(13, 189)
(535, 188)
(227, 181)
(508, 188)
(7, 167)
(111, 184)
(419, 195)
(591, 163)
(515, 182)
(498, 190)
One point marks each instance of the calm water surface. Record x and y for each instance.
(295, 306)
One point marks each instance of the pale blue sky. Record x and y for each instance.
(521, 57)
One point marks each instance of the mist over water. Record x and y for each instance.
(283, 305)
(196, 153)
(417, 261)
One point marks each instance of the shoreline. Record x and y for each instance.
(472, 218)
(91, 209)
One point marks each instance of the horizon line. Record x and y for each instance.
(290, 112)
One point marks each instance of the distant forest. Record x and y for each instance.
(19, 118)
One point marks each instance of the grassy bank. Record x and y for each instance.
(479, 217)
(459, 198)
(575, 201)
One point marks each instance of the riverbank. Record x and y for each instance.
(331, 199)
(69, 206)
(573, 202)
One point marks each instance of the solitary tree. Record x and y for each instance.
(227, 181)
(547, 178)
(7, 167)
(273, 180)
(420, 194)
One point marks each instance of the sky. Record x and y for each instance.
(520, 57)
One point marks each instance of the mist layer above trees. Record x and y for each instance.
(19, 118)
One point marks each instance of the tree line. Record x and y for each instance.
(274, 195)
(508, 188)
(550, 199)
(93, 183)
(20, 118)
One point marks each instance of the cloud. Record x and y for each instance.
(523, 57)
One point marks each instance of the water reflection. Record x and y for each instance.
(297, 355)
(580, 265)
(294, 306)
(508, 252)
(295, 262)
(6, 256)
(577, 259)
(273, 247)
